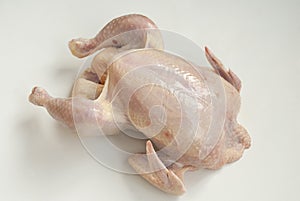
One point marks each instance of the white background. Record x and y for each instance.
(42, 160)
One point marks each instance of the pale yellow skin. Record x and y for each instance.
(94, 91)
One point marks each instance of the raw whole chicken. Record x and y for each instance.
(187, 112)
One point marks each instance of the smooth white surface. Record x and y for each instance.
(258, 40)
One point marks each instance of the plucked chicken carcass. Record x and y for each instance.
(188, 112)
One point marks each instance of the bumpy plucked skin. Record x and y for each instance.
(91, 102)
